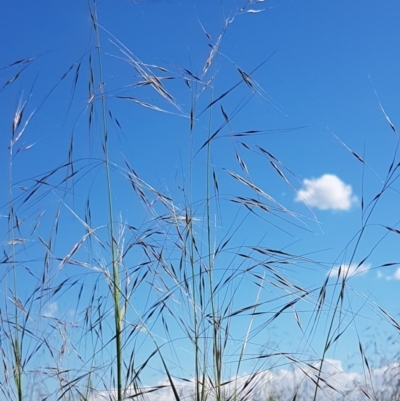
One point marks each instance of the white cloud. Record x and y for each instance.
(351, 270)
(50, 309)
(326, 192)
(394, 276)
(337, 384)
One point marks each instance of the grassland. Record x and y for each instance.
(117, 287)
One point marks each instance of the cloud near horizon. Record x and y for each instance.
(337, 384)
(328, 192)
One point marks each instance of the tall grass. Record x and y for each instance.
(167, 295)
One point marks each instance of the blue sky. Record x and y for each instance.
(325, 84)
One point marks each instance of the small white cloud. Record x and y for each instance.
(351, 270)
(326, 192)
(390, 277)
(50, 309)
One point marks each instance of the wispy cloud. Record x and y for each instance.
(394, 276)
(50, 309)
(328, 192)
(349, 270)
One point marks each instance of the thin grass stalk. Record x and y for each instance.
(15, 341)
(115, 267)
(217, 347)
(199, 392)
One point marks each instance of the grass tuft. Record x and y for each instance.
(116, 288)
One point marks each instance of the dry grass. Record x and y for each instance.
(158, 290)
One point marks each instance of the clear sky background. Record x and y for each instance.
(326, 83)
